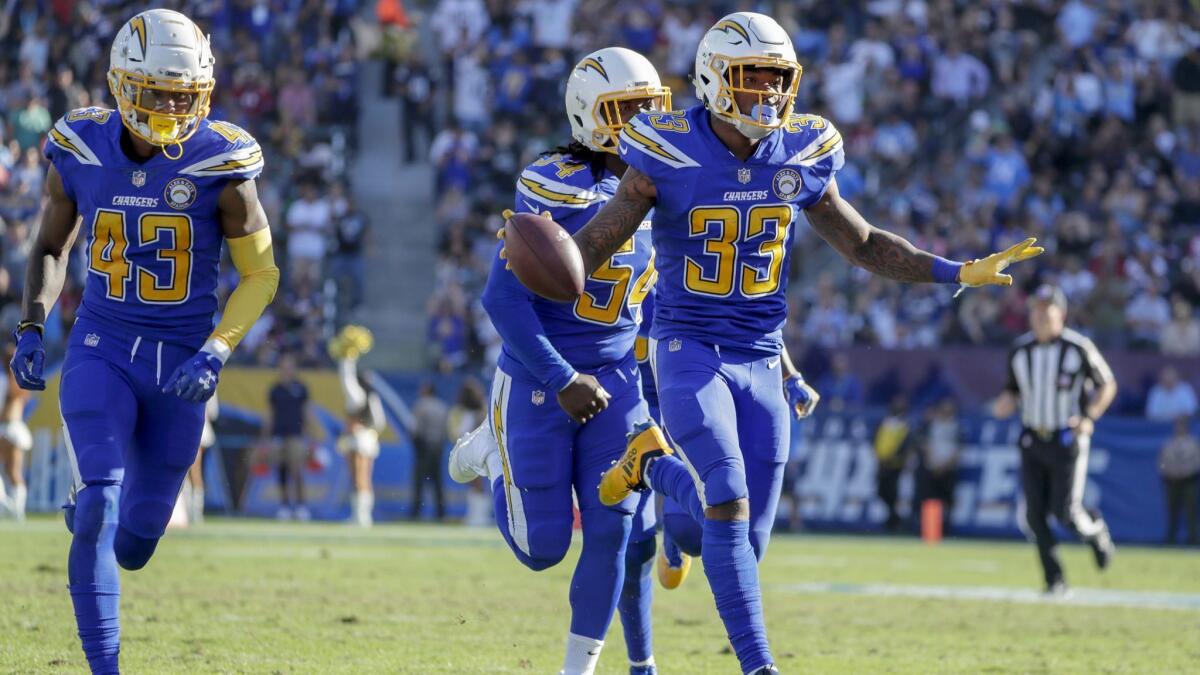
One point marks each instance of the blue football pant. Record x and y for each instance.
(545, 456)
(132, 446)
(727, 417)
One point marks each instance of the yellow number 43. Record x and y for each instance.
(107, 256)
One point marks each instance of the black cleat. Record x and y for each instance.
(1103, 548)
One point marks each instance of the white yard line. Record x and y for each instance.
(1082, 597)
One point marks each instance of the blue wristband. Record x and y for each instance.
(945, 271)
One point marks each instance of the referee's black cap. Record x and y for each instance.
(1050, 294)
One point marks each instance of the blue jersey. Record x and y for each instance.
(153, 229)
(723, 227)
(598, 330)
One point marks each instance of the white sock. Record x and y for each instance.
(196, 505)
(583, 653)
(20, 494)
(366, 505)
(495, 467)
(642, 664)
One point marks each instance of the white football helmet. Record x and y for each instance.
(739, 41)
(160, 54)
(597, 86)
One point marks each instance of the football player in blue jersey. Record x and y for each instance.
(728, 180)
(157, 187)
(580, 354)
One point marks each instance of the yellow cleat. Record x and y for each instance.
(628, 475)
(671, 577)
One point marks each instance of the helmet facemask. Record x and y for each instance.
(772, 109)
(138, 97)
(606, 113)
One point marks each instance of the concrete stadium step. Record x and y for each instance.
(400, 256)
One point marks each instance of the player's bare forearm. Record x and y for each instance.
(617, 221)
(241, 211)
(47, 268)
(873, 249)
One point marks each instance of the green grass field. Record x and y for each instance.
(260, 597)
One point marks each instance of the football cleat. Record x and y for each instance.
(767, 670)
(643, 670)
(1103, 548)
(468, 459)
(628, 474)
(673, 565)
(1057, 589)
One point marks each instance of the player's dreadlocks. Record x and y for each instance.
(582, 153)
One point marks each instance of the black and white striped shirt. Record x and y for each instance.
(1052, 378)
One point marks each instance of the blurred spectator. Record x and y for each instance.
(1179, 464)
(448, 331)
(309, 221)
(285, 432)
(1170, 397)
(939, 441)
(1146, 316)
(840, 389)
(892, 445)
(430, 424)
(416, 106)
(1181, 337)
(350, 228)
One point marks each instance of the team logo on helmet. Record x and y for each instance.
(593, 64)
(730, 26)
(787, 184)
(180, 193)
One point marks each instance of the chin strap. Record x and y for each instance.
(177, 155)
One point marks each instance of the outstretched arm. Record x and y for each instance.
(875, 250)
(892, 256)
(617, 221)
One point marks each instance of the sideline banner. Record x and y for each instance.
(833, 458)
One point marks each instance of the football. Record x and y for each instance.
(543, 256)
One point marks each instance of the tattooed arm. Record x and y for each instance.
(617, 221)
(865, 245)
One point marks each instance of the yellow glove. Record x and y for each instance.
(987, 272)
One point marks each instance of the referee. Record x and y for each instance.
(1063, 386)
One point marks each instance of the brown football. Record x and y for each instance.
(544, 257)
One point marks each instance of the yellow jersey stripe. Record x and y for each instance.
(825, 148)
(255, 157)
(553, 195)
(648, 144)
(63, 142)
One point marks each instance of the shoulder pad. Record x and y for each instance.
(73, 131)
(223, 149)
(555, 182)
(659, 136)
(811, 138)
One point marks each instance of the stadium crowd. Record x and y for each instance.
(968, 126)
(286, 72)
